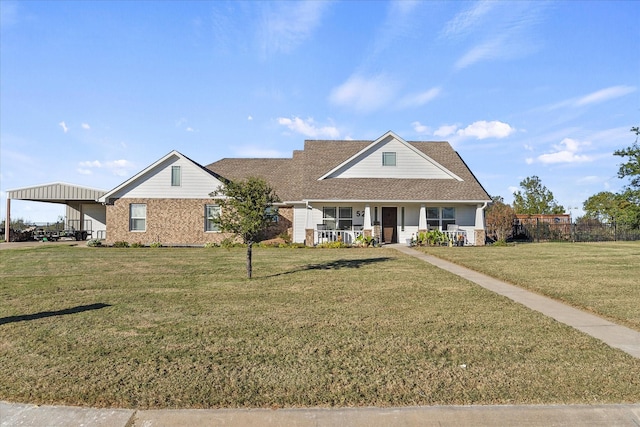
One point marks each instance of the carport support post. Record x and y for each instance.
(7, 222)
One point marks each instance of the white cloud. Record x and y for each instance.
(90, 164)
(85, 126)
(364, 94)
(489, 49)
(466, 20)
(566, 152)
(286, 25)
(605, 95)
(189, 129)
(445, 130)
(418, 99)
(308, 127)
(420, 128)
(250, 118)
(496, 30)
(117, 167)
(64, 127)
(483, 129)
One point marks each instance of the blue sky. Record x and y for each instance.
(93, 92)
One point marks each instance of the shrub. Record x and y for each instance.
(121, 244)
(155, 245)
(94, 243)
(333, 245)
(211, 245)
(137, 245)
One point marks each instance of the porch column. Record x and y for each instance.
(367, 217)
(309, 227)
(7, 222)
(422, 222)
(479, 229)
(367, 228)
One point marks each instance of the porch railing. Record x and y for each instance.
(345, 236)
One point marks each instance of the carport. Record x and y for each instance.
(83, 211)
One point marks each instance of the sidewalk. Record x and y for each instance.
(426, 416)
(620, 337)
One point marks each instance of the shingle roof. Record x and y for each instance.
(296, 178)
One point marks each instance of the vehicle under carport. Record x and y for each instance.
(85, 216)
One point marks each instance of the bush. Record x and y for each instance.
(121, 244)
(155, 245)
(137, 245)
(333, 245)
(211, 245)
(94, 243)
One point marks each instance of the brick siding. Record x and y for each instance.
(176, 222)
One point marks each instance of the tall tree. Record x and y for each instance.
(245, 210)
(631, 168)
(603, 206)
(535, 198)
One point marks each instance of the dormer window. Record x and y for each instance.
(388, 158)
(175, 176)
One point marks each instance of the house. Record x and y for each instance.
(388, 188)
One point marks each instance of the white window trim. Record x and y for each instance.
(132, 218)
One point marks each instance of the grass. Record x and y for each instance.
(602, 278)
(183, 328)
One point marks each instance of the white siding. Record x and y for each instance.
(299, 223)
(156, 184)
(409, 164)
(98, 216)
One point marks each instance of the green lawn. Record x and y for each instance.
(603, 278)
(184, 328)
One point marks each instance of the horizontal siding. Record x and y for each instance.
(195, 182)
(409, 164)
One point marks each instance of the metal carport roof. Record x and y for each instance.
(57, 192)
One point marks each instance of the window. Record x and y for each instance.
(137, 217)
(440, 218)
(272, 213)
(345, 219)
(175, 176)
(433, 217)
(448, 217)
(388, 159)
(211, 212)
(329, 218)
(337, 218)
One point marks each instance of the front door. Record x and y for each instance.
(390, 225)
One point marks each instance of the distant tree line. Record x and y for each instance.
(533, 198)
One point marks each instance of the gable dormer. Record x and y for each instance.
(390, 157)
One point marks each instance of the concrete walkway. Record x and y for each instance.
(614, 335)
(424, 416)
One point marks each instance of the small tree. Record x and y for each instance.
(499, 218)
(535, 198)
(631, 168)
(244, 210)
